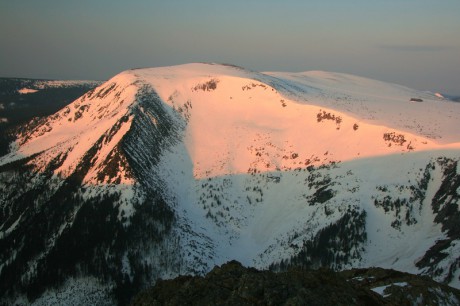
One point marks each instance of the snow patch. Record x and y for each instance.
(126, 209)
(444, 298)
(77, 291)
(24, 91)
(440, 96)
(455, 279)
(6, 232)
(451, 256)
(381, 290)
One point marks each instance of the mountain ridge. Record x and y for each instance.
(233, 284)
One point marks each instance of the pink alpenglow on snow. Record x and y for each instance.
(240, 121)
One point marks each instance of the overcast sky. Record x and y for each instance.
(410, 42)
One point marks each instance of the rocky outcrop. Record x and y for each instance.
(233, 284)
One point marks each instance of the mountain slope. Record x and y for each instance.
(167, 171)
(23, 99)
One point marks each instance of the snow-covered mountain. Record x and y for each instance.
(167, 171)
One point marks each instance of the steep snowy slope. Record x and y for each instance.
(23, 99)
(166, 171)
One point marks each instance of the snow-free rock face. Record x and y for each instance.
(167, 171)
(233, 284)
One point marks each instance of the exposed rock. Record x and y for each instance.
(233, 284)
(399, 288)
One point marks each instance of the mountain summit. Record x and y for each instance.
(166, 171)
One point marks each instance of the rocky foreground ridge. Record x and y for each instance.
(233, 284)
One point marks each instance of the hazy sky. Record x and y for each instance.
(411, 42)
